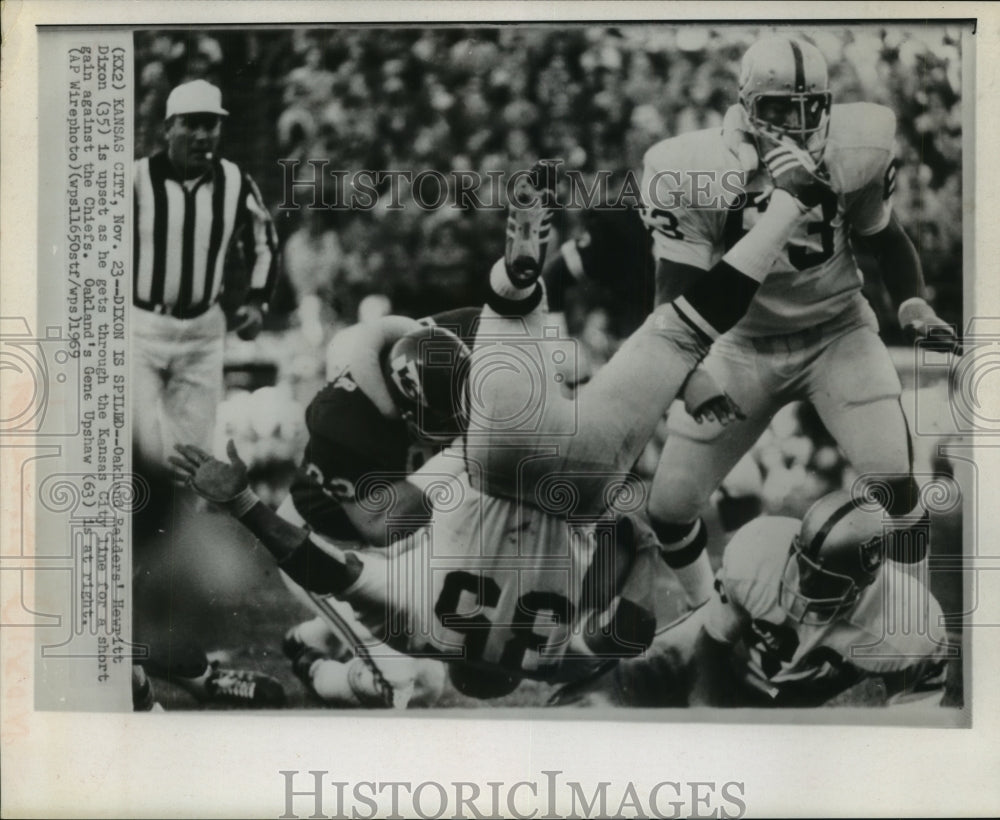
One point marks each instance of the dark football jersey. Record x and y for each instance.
(353, 450)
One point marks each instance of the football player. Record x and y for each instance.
(356, 489)
(809, 333)
(522, 571)
(801, 613)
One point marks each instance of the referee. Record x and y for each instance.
(191, 208)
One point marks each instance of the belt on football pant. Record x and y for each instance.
(177, 311)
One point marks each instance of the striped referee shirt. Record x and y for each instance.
(183, 229)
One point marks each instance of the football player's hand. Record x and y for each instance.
(922, 325)
(706, 401)
(794, 171)
(249, 321)
(210, 478)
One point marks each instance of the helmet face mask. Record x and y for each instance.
(802, 118)
(811, 594)
(784, 92)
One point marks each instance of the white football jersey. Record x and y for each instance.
(698, 204)
(894, 625)
(495, 583)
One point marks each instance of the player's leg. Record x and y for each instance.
(514, 403)
(856, 390)
(352, 683)
(697, 457)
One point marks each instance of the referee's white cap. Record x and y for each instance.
(195, 97)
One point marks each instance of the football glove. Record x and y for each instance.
(922, 325)
(794, 171)
(705, 400)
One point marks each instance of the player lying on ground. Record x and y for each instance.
(356, 489)
(522, 583)
(363, 440)
(808, 334)
(801, 612)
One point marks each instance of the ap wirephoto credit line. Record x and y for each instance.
(604, 371)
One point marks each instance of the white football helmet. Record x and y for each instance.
(784, 91)
(837, 554)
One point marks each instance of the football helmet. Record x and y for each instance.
(784, 91)
(835, 556)
(426, 372)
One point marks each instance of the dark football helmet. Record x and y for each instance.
(426, 372)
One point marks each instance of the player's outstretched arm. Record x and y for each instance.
(904, 279)
(327, 571)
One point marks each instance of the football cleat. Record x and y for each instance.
(239, 687)
(529, 220)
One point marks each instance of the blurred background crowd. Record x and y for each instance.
(496, 99)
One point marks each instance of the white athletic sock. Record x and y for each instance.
(331, 682)
(501, 285)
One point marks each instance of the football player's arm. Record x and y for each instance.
(898, 260)
(327, 571)
(875, 228)
(714, 297)
(899, 264)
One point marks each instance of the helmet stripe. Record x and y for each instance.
(800, 71)
(828, 525)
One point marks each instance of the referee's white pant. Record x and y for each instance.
(176, 381)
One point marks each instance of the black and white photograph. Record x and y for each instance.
(482, 393)
(413, 391)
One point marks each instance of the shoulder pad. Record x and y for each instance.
(695, 165)
(862, 142)
(703, 150)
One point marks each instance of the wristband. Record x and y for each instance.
(240, 504)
